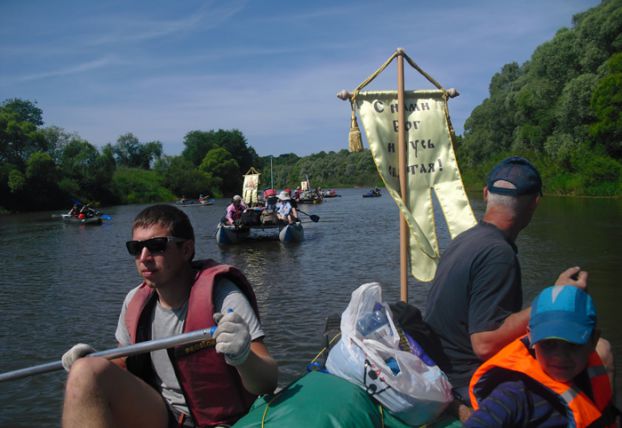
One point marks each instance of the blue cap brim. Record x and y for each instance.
(563, 329)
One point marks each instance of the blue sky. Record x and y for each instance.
(271, 69)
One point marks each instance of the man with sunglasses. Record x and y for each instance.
(194, 385)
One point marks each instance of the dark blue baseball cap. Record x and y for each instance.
(562, 312)
(518, 171)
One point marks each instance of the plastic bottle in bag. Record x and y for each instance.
(375, 324)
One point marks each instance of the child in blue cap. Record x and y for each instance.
(551, 377)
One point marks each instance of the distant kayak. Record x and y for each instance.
(95, 220)
(374, 193)
(330, 194)
(194, 202)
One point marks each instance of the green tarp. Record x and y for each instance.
(323, 400)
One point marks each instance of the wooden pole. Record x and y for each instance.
(402, 161)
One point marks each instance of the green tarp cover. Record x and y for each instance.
(323, 400)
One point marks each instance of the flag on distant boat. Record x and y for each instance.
(250, 186)
(431, 165)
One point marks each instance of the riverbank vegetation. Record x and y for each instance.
(562, 109)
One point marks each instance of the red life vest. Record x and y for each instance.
(213, 389)
(581, 409)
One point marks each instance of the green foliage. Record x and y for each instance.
(341, 169)
(219, 162)
(563, 107)
(82, 163)
(17, 181)
(131, 153)
(199, 143)
(18, 138)
(607, 106)
(182, 179)
(133, 185)
(601, 176)
(24, 110)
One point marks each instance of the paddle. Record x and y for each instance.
(123, 351)
(314, 218)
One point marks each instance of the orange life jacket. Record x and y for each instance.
(581, 409)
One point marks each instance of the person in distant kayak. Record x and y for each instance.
(210, 383)
(551, 377)
(479, 278)
(234, 210)
(74, 211)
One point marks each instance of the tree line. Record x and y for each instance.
(48, 168)
(43, 168)
(562, 109)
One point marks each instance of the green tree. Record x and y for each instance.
(42, 176)
(197, 144)
(18, 138)
(84, 168)
(219, 162)
(130, 152)
(136, 185)
(25, 111)
(181, 177)
(607, 106)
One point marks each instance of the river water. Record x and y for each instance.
(61, 284)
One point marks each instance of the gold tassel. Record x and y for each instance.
(355, 143)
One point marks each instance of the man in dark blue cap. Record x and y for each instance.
(475, 303)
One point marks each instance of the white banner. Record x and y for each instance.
(431, 165)
(249, 188)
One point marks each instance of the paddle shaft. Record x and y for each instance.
(123, 351)
(314, 218)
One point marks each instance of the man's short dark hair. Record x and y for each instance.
(168, 216)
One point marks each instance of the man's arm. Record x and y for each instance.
(487, 343)
(259, 372)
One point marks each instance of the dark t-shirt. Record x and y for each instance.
(476, 287)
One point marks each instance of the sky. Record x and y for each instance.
(160, 69)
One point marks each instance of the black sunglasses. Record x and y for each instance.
(154, 245)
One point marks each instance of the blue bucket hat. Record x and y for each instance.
(518, 171)
(562, 312)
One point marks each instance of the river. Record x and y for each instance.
(61, 284)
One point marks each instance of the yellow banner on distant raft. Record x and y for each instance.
(249, 188)
(431, 164)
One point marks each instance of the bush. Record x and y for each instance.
(134, 186)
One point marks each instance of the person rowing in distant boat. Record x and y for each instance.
(86, 212)
(74, 211)
(203, 198)
(234, 210)
(212, 383)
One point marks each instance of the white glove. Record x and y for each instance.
(77, 351)
(232, 338)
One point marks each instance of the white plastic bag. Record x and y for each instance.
(416, 394)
